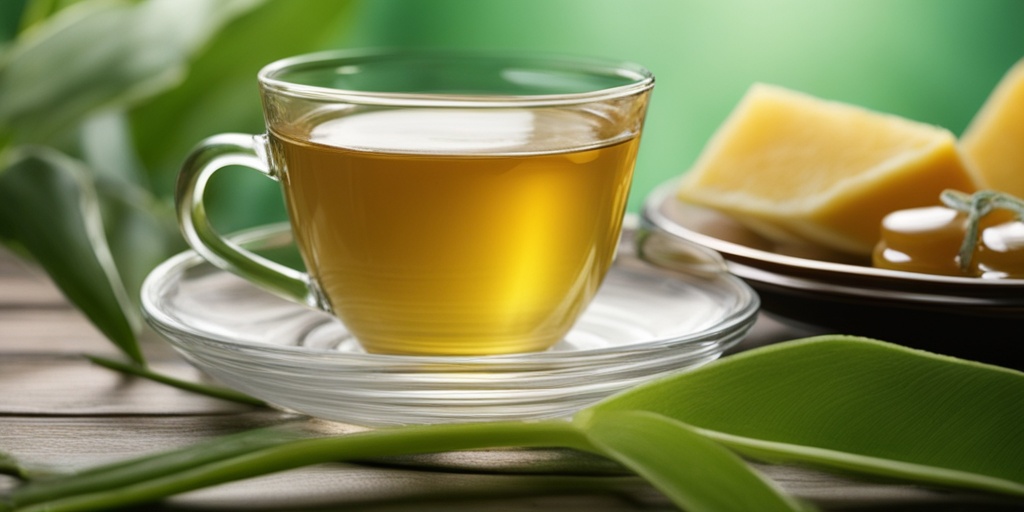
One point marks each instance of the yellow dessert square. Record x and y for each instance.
(800, 169)
(994, 140)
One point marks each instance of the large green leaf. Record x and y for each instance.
(696, 472)
(49, 208)
(98, 53)
(855, 404)
(836, 401)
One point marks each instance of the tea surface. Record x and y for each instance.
(457, 232)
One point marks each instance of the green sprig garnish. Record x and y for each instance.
(977, 206)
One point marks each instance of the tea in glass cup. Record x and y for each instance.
(443, 204)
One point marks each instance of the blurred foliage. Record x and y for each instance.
(106, 97)
(99, 100)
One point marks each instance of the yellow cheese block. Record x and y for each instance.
(994, 140)
(799, 169)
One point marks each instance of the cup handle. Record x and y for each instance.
(209, 156)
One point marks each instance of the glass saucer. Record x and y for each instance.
(646, 321)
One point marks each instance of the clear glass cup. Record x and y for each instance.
(443, 203)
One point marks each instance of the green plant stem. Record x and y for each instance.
(123, 485)
(115, 475)
(10, 467)
(144, 372)
(977, 206)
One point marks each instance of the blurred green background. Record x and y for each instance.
(105, 98)
(929, 60)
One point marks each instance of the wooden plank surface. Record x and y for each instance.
(58, 410)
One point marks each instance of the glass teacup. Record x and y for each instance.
(443, 203)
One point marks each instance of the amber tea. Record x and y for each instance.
(444, 203)
(432, 231)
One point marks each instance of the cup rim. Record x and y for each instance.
(639, 78)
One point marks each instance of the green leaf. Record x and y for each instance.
(10, 14)
(141, 228)
(11, 466)
(141, 232)
(855, 404)
(37, 11)
(107, 147)
(65, 82)
(124, 473)
(221, 95)
(49, 207)
(698, 474)
(258, 452)
(101, 53)
(892, 410)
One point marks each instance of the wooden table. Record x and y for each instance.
(58, 409)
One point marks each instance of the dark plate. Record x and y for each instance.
(980, 319)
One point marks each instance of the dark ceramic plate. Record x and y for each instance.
(980, 319)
